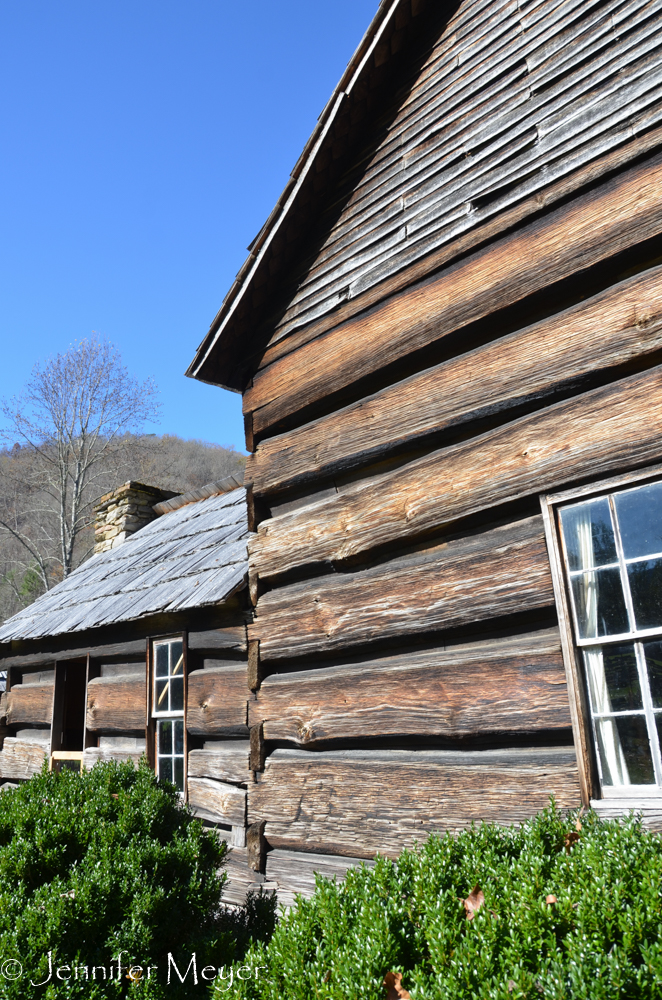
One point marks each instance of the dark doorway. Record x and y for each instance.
(69, 706)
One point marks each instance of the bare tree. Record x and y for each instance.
(73, 428)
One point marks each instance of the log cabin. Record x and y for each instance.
(143, 651)
(448, 337)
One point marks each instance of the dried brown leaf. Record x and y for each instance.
(473, 902)
(394, 988)
(551, 899)
(570, 839)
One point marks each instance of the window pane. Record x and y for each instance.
(653, 654)
(179, 773)
(177, 657)
(161, 696)
(640, 520)
(161, 653)
(624, 751)
(165, 768)
(177, 694)
(179, 735)
(599, 603)
(613, 679)
(164, 729)
(636, 748)
(646, 587)
(588, 534)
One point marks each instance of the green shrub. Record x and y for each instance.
(602, 938)
(95, 864)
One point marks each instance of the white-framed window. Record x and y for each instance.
(168, 693)
(611, 554)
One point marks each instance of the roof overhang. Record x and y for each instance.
(226, 356)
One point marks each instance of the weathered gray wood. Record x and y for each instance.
(293, 872)
(501, 571)
(225, 761)
(606, 331)
(598, 432)
(232, 637)
(117, 704)
(217, 801)
(92, 755)
(499, 686)
(131, 649)
(622, 212)
(217, 701)
(21, 759)
(650, 810)
(356, 803)
(28, 703)
(241, 879)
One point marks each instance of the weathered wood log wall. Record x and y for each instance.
(477, 320)
(116, 715)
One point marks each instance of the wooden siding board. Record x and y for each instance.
(356, 803)
(598, 432)
(497, 572)
(501, 686)
(226, 762)
(587, 36)
(615, 327)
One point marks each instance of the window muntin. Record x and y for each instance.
(612, 547)
(168, 710)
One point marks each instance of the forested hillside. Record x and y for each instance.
(27, 505)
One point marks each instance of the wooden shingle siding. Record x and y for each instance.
(491, 574)
(620, 326)
(359, 802)
(502, 686)
(507, 102)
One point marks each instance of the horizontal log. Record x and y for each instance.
(624, 211)
(21, 759)
(223, 761)
(217, 700)
(293, 872)
(240, 878)
(559, 353)
(217, 801)
(501, 686)
(501, 571)
(117, 704)
(93, 755)
(614, 427)
(233, 637)
(28, 704)
(132, 649)
(356, 803)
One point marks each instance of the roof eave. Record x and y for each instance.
(202, 367)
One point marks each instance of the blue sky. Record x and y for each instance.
(142, 145)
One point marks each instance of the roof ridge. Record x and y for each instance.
(226, 485)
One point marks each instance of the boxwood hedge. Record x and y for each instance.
(572, 909)
(101, 863)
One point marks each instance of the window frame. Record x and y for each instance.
(572, 646)
(152, 717)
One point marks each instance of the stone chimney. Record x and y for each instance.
(124, 511)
